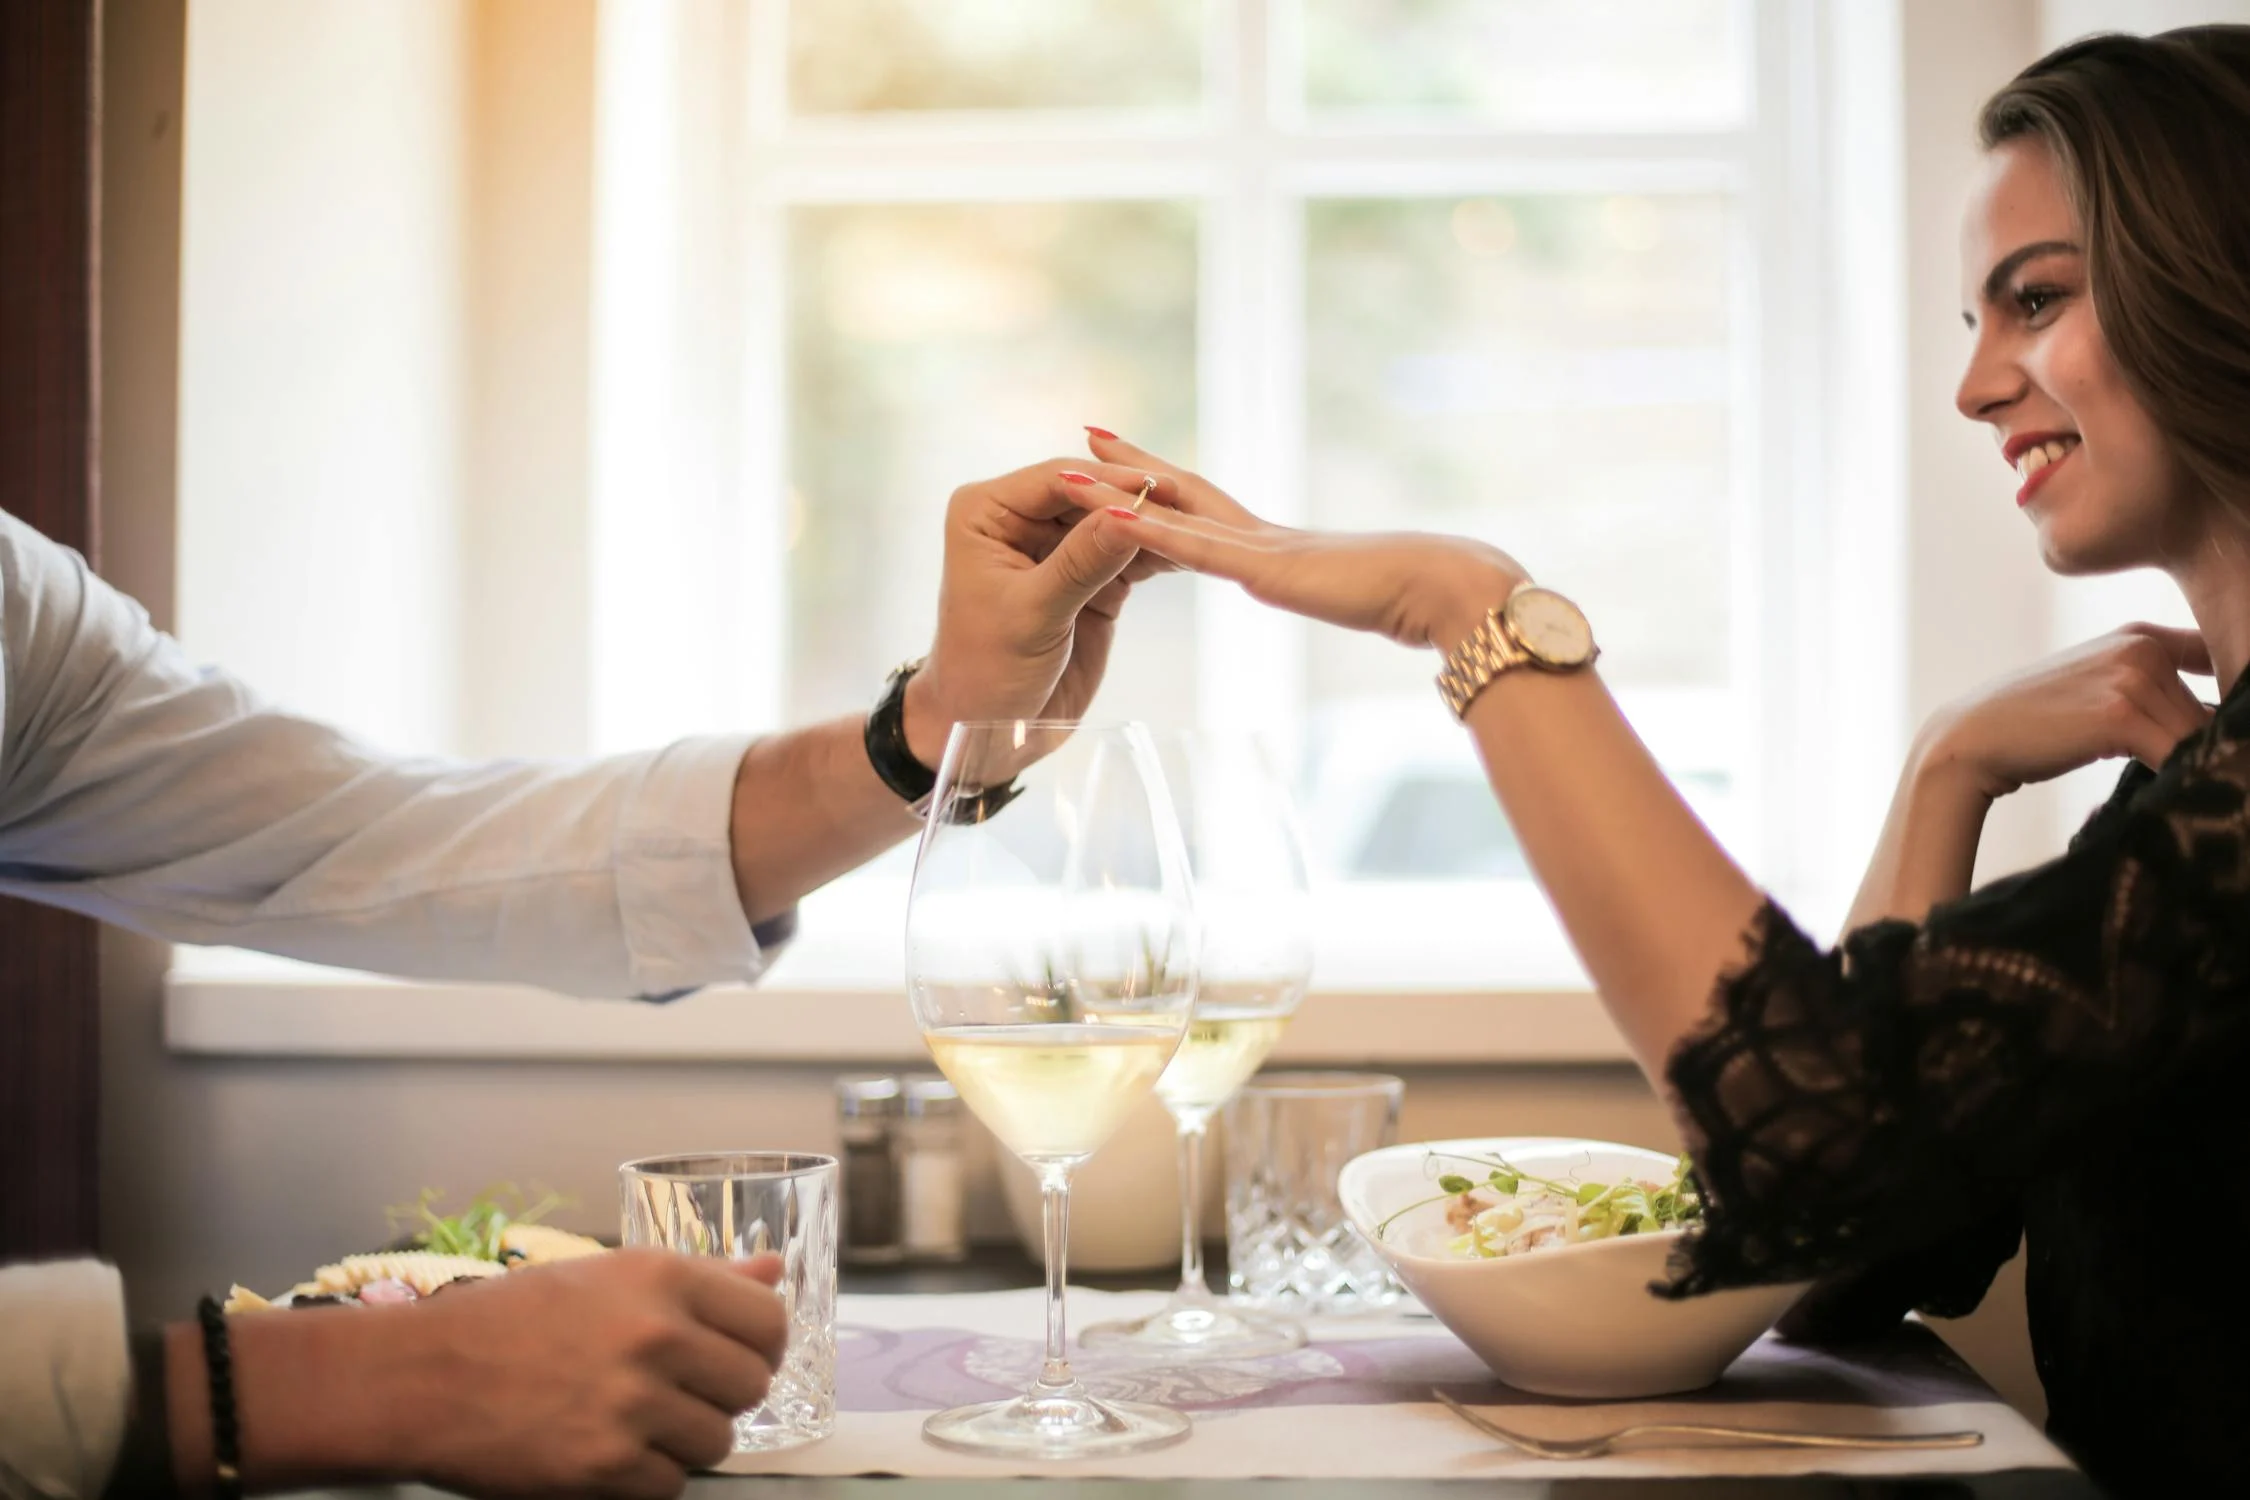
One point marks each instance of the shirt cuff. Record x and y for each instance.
(66, 1383)
(676, 893)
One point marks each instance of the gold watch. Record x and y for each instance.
(1533, 627)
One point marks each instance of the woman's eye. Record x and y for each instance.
(2034, 300)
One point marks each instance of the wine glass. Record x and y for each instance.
(1050, 956)
(1248, 859)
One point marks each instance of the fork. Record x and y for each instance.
(1769, 1437)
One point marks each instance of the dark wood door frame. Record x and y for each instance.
(50, 1039)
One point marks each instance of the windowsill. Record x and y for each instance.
(837, 995)
(325, 1015)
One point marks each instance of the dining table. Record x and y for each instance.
(1355, 1412)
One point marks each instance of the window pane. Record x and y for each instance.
(1549, 373)
(930, 345)
(859, 56)
(1535, 64)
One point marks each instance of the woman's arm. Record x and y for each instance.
(1928, 849)
(2118, 695)
(1655, 907)
(1653, 904)
(1843, 1105)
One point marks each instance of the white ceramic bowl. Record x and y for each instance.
(1574, 1320)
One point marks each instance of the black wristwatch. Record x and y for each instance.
(887, 749)
(895, 763)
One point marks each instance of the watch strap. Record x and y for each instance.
(887, 750)
(897, 767)
(1483, 654)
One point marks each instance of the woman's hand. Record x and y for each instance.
(2117, 695)
(1417, 588)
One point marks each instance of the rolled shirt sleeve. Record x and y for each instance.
(66, 1384)
(143, 791)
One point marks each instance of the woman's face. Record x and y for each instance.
(2099, 483)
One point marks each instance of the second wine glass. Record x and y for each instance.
(1254, 910)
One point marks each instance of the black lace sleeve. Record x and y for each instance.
(1848, 1107)
(1945, 1278)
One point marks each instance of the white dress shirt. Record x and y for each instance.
(139, 789)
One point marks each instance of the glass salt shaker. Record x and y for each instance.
(868, 1112)
(932, 1175)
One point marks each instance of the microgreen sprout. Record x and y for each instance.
(476, 1231)
(1603, 1209)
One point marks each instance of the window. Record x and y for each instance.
(1508, 269)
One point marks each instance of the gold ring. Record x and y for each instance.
(1148, 488)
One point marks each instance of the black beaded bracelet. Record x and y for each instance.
(226, 1436)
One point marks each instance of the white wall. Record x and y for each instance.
(526, 572)
(321, 356)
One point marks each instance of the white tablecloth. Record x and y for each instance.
(1355, 1402)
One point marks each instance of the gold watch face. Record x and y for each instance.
(1550, 627)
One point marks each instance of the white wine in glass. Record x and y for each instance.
(1052, 1092)
(1254, 911)
(1051, 958)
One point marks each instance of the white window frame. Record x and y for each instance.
(1249, 160)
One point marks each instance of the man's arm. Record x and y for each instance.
(142, 791)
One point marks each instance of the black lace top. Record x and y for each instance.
(2067, 1052)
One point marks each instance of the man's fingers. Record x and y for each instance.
(652, 1476)
(2185, 647)
(739, 1302)
(689, 1432)
(1145, 566)
(1109, 599)
(718, 1371)
(1096, 552)
(765, 1266)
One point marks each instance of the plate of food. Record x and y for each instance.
(1539, 1253)
(494, 1235)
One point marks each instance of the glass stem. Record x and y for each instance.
(1192, 1286)
(1054, 1193)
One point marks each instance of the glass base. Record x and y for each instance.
(1061, 1423)
(1198, 1328)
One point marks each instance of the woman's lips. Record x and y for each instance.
(2042, 475)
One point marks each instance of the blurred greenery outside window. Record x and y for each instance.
(1483, 266)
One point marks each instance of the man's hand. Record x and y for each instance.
(1035, 574)
(613, 1375)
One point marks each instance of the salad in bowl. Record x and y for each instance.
(1539, 1253)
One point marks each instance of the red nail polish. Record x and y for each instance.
(1121, 513)
(1072, 476)
(1102, 432)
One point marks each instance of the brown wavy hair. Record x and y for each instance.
(2152, 135)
